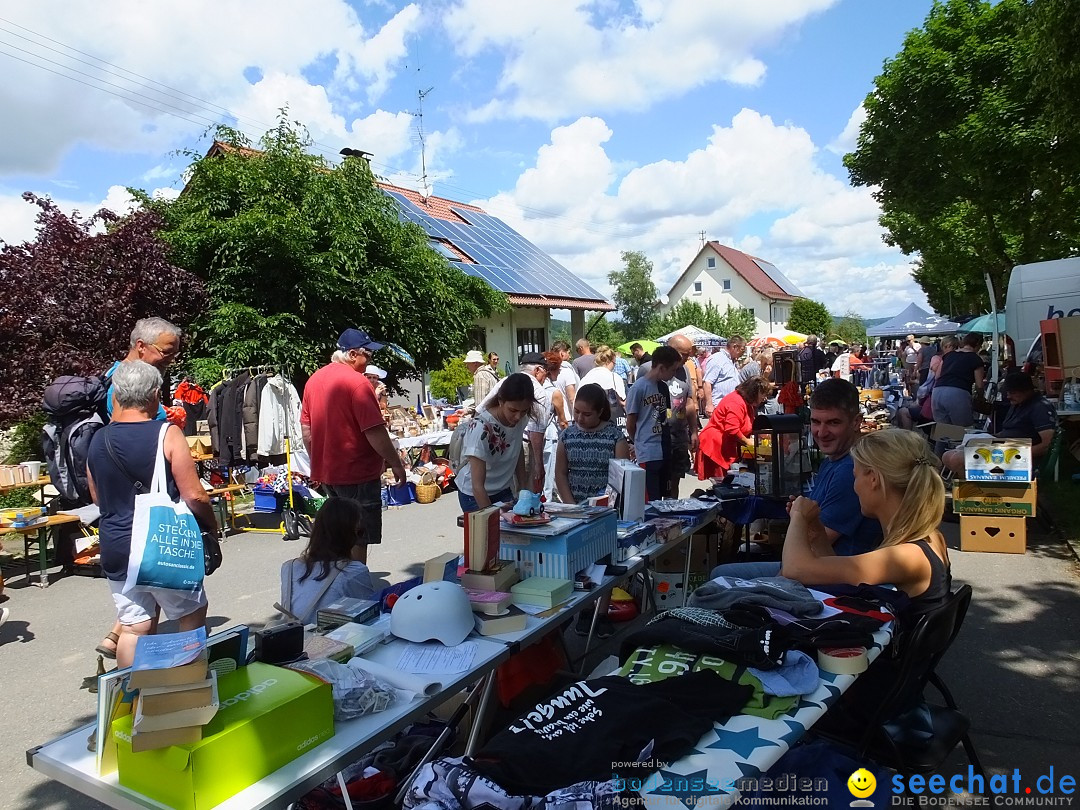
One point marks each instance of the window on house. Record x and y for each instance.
(726, 284)
(478, 338)
(751, 311)
(697, 286)
(710, 262)
(531, 340)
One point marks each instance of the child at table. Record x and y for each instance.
(329, 568)
(648, 407)
(586, 447)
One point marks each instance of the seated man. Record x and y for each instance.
(1030, 416)
(834, 424)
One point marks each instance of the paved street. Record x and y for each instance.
(1015, 667)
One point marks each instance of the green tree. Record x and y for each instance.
(600, 330)
(445, 381)
(851, 329)
(809, 317)
(732, 321)
(635, 293)
(294, 250)
(964, 157)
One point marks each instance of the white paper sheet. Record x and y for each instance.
(422, 659)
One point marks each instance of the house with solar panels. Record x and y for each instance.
(485, 246)
(727, 277)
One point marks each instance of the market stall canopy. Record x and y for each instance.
(781, 339)
(700, 338)
(914, 320)
(984, 325)
(648, 345)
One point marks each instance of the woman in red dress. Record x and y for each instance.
(729, 427)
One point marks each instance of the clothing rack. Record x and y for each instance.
(269, 369)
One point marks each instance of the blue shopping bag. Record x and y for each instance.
(166, 541)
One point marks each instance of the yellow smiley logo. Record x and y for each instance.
(861, 783)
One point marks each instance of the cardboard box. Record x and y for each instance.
(945, 432)
(702, 550)
(198, 445)
(1000, 500)
(561, 556)
(671, 590)
(268, 717)
(1007, 535)
(998, 460)
(628, 481)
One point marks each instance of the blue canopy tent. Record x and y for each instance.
(914, 320)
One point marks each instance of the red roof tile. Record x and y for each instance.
(743, 264)
(559, 303)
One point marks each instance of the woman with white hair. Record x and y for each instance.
(120, 464)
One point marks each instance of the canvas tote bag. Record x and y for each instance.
(166, 541)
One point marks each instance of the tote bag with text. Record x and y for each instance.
(166, 541)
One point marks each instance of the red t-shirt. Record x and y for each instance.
(339, 405)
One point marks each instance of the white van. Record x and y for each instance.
(1037, 292)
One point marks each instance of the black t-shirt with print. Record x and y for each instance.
(582, 732)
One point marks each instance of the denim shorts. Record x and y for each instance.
(469, 504)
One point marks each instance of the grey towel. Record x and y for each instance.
(775, 592)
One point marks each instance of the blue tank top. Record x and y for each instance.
(135, 445)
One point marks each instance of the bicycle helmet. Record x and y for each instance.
(434, 611)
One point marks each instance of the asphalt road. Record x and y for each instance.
(1015, 667)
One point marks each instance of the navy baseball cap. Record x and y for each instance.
(356, 339)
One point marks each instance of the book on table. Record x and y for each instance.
(502, 575)
(169, 659)
(490, 602)
(482, 539)
(513, 620)
(154, 700)
(198, 715)
(331, 649)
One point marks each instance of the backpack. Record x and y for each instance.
(75, 407)
(457, 440)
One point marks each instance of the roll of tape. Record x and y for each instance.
(843, 660)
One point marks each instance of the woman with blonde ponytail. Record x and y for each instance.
(897, 481)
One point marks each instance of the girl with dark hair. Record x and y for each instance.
(581, 462)
(491, 447)
(329, 568)
(729, 427)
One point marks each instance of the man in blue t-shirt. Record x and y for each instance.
(834, 424)
(154, 341)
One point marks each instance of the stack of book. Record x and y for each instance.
(177, 690)
(344, 610)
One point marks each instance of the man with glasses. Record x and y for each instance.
(154, 341)
(346, 435)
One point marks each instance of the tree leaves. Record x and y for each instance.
(809, 317)
(634, 293)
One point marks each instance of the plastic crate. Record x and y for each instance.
(266, 500)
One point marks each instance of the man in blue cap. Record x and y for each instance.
(346, 436)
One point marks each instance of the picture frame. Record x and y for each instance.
(429, 412)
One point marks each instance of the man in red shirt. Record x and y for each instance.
(346, 436)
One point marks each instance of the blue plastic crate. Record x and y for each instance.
(266, 500)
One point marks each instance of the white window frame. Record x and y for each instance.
(697, 288)
(725, 284)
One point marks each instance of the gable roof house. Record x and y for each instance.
(727, 277)
(486, 247)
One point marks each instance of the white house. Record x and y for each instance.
(727, 277)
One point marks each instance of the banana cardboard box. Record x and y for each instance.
(268, 717)
(998, 460)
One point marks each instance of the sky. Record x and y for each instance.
(589, 127)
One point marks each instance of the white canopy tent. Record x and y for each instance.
(700, 338)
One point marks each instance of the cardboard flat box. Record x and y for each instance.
(198, 445)
(562, 555)
(268, 717)
(993, 499)
(998, 460)
(542, 591)
(179, 718)
(1006, 535)
(945, 432)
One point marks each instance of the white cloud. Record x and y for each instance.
(198, 48)
(566, 57)
(753, 184)
(847, 140)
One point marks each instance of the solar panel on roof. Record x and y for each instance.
(778, 278)
(504, 258)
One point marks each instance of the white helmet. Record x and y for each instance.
(438, 611)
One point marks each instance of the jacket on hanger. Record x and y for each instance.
(279, 416)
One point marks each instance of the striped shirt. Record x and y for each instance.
(587, 456)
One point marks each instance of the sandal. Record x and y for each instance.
(107, 651)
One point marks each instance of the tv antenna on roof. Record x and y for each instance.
(421, 95)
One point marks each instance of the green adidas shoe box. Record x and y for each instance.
(269, 716)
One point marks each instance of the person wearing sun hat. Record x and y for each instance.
(376, 376)
(484, 376)
(346, 434)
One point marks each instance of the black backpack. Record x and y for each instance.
(75, 407)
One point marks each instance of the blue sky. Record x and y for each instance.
(591, 127)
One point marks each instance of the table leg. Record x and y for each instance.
(43, 556)
(589, 637)
(481, 713)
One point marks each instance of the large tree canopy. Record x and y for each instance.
(294, 251)
(809, 317)
(732, 321)
(72, 295)
(962, 152)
